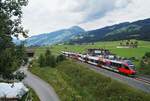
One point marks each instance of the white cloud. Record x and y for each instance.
(48, 15)
(136, 10)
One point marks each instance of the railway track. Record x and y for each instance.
(139, 82)
(144, 80)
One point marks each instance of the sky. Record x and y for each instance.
(42, 16)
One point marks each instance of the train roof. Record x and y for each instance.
(121, 61)
(93, 57)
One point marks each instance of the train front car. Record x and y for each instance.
(127, 68)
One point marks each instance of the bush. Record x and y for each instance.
(147, 54)
(52, 61)
(20, 76)
(41, 61)
(47, 60)
(134, 59)
(145, 64)
(60, 58)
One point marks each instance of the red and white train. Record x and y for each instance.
(121, 66)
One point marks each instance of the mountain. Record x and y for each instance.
(135, 30)
(128, 30)
(54, 37)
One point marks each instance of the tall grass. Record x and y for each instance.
(74, 82)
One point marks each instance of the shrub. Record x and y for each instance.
(47, 60)
(145, 64)
(52, 61)
(20, 76)
(147, 54)
(60, 58)
(41, 61)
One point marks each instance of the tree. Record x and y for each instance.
(127, 43)
(8, 62)
(10, 25)
(10, 15)
(147, 54)
(121, 43)
(41, 61)
(60, 58)
(52, 61)
(48, 57)
(132, 44)
(136, 44)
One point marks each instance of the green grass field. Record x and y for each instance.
(144, 46)
(74, 82)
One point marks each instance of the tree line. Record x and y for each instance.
(48, 59)
(129, 43)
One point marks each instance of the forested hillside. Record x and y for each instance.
(136, 30)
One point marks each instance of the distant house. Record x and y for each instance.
(12, 91)
(99, 52)
(30, 52)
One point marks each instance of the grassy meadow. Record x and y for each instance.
(144, 46)
(74, 82)
(138, 53)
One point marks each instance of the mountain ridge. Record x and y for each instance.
(139, 30)
(54, 37)
(129, 30)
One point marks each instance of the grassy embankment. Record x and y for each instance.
(31, 95)
(74, 82)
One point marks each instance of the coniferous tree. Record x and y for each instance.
(52, 61)
(60, 58)
(41, 61)
(48, 57)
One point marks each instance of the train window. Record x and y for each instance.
(96, 61)
(113, 64)
(119, 65)
(126, 67)
(91, 60)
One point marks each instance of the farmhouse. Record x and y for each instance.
(30, 52)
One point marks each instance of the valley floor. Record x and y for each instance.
(132, 53)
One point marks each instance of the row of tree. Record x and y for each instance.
(11, 56)
(129, 43)
(49, 60)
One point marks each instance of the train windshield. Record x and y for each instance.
(97, 52)
(129, 62)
